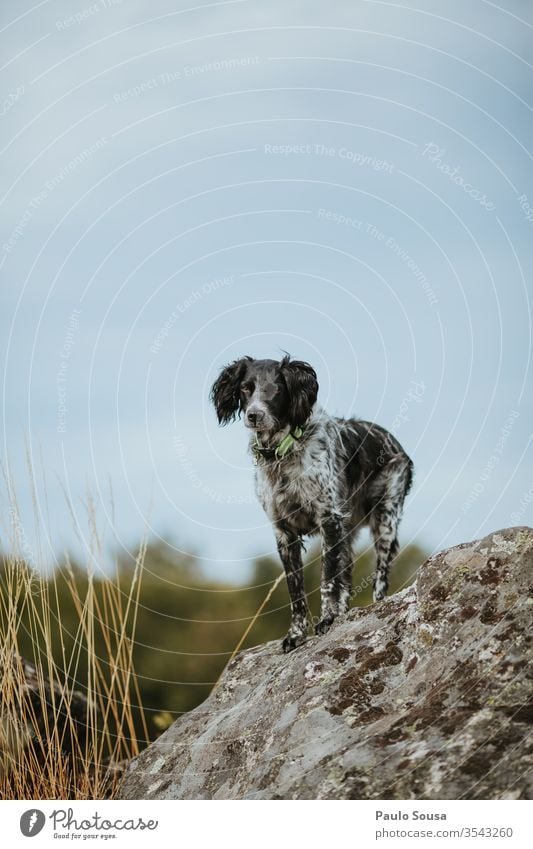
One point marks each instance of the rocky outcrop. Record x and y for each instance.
(427, 694)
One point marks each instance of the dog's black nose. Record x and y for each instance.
(255, 416)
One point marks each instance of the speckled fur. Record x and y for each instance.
(342, 475)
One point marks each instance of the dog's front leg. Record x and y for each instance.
(336, 582)
(290, 551)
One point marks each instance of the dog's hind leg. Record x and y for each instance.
(385, 519)
(387, 547)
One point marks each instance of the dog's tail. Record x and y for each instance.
(409, 474)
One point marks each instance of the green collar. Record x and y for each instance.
(283, 448)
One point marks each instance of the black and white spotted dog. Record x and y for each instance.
(316, 474)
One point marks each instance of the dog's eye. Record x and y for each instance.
(247, 388)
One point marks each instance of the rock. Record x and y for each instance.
(41, 718)
(41, 706)
(425, 695)
(40, 723)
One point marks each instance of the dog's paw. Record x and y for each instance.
(292, 641)
(325, 624)
(380, 589)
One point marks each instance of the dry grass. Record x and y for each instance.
(57, 742)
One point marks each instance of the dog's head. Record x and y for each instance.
(270, 394)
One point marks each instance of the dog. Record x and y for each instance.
(316, 474)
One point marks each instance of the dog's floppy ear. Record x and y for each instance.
(302, 385)
(225, 392)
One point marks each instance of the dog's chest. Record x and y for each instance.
(293, 492)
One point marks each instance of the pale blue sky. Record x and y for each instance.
(175, 192)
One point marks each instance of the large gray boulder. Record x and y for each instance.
(427, 694)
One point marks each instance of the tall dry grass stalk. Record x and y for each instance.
(55, 741)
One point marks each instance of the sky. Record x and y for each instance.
(183, 184)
